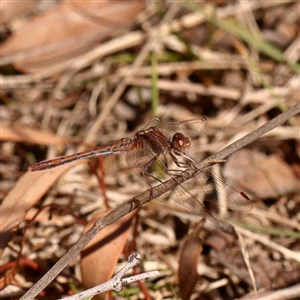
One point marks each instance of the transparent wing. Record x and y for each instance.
(152, 123)
(207, 186)
(191, 128)
(151, 166)
(182, 196)
(139, 158)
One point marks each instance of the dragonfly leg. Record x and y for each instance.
(190, 163)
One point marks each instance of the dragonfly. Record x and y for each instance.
(158, 148)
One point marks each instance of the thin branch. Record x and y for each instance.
(117, 282)
(151, 194)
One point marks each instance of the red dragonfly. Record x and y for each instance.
(162, 147)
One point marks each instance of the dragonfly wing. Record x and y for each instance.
(146, 163)
(191, 128)
(152, 123)
(184, 197)
(139, 158)
(207, 186)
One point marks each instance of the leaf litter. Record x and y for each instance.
(210, 76)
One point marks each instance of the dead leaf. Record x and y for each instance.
(67, 31)
(26, 193)
(29, 135)
(12, 9)
(189, 256)
(99, 258)
(220, 241)
(261, 175)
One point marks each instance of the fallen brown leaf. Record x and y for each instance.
(99, 258)
(188, 262)
(259, 174)
(68, 30)
(220, 241)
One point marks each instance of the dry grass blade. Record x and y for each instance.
(247, 261)
(267, 242)
(29, 135)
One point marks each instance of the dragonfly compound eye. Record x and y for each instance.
(180, 141)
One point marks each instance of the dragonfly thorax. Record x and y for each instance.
(153, 139)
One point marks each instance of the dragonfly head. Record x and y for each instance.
(180, 142)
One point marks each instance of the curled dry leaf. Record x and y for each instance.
(67, 31)
(189, 256)
(261, 175)
(100, 256)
